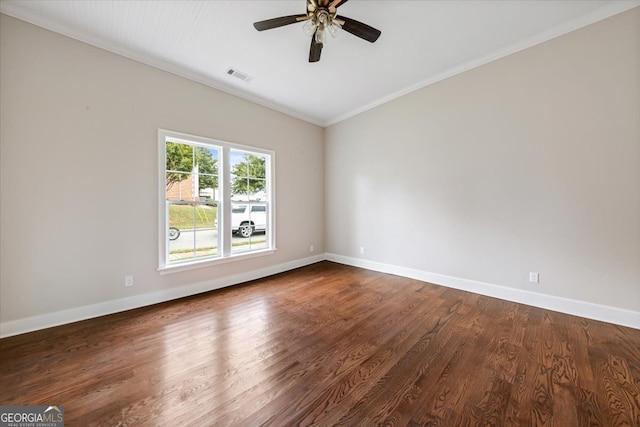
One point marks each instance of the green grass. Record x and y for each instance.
(182, 216)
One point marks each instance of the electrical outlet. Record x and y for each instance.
(311, 248)
(361, 250)
(128, 281)
(534, 277)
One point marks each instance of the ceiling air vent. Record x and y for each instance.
(239, 74)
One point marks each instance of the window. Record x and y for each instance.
(216, 201)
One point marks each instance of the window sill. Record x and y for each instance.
(192, 265)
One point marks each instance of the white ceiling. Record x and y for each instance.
(422, 42)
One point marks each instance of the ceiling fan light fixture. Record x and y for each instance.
(334, 29)
(309, 28)
(320, 34)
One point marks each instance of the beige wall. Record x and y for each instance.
(78, 180)
(528, 164)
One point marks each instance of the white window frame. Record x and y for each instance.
(224, 207)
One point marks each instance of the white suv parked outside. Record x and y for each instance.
(247, 218)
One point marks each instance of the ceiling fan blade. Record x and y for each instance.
(278, 22)
(358, 29)
(315, 51)
(337, 3)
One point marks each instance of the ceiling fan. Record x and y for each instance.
(321, 16)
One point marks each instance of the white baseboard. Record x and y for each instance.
(48, 320)
(589, 310)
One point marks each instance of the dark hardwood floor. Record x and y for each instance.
(330, 345)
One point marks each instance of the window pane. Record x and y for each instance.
(179, 186)
(193, 231)
(178, 170)
(249, 227)
(206, 231)
(248, 173)
(179, 157)
(180, 220)
(256, 166)
(207, 160)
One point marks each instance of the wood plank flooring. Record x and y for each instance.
(330, 345)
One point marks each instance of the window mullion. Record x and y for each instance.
(225, 199)
(194, 223)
